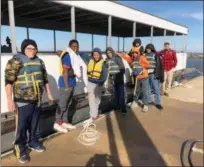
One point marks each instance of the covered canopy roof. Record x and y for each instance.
(90, 17)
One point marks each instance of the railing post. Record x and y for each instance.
(73, 22)
(12, 26)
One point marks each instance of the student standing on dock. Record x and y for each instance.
(139, 68)
(137, 44)
(25, 77)
(66, 83)
(116, 70)
(97, 74)
(156, 74)
(169, 61)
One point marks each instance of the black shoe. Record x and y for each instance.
(23, 159)
(124, 111)
(151, 103)
(158, 106)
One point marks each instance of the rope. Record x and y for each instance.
(198, 71)
(89, 135)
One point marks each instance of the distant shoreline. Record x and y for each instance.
(195, 57)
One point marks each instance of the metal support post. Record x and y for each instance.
(152, 32)
(55, 48)
(12, 26)
(73, 22)
(134, 30)
(109, 30)
(92, 41)
(118, 44)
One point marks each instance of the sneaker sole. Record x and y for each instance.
(23, 162)
(59, 131)
(36, 150)
(70, 128)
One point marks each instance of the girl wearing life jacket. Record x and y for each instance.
(66, 84)
(25, 77)
(156, 74)
(139, 67)
(97, 74)
(116, 70)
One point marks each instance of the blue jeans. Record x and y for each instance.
(154, 84)
(119, 93)
(141, 90)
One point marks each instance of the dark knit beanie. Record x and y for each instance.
(137, 40)
(27, 42)
(151, 47)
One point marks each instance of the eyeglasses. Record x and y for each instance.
(31, 49)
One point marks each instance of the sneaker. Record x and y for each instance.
(150, 103)
(90, 120)
(134, 105)
(158, 106)
(40, 148)
(23, 159)
(129, 105)
(166, 94)
(68, 126)
(60, 128)
(145, 108)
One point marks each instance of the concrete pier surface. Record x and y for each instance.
(152, 138)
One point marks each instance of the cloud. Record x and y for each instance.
(196, 15)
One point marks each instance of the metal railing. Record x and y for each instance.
(192, 149)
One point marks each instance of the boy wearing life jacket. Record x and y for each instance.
(25, 77)
(139, 67)
(116, 70)
(137, 44)
(97, 74)
(156, 74)
(66, 83)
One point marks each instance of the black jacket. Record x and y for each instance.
(159, 70)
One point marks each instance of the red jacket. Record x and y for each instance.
(169, 59)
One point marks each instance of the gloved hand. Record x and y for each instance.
(137, 71)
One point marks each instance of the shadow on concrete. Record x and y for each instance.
(102, 160)
(139, 146)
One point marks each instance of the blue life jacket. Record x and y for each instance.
(30, 75)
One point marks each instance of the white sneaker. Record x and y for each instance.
(134, 105)
(68, 126)
(145, 108)
(90, 120)
(60, 128)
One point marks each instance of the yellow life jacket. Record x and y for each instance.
(95, 69)
(60, 62)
